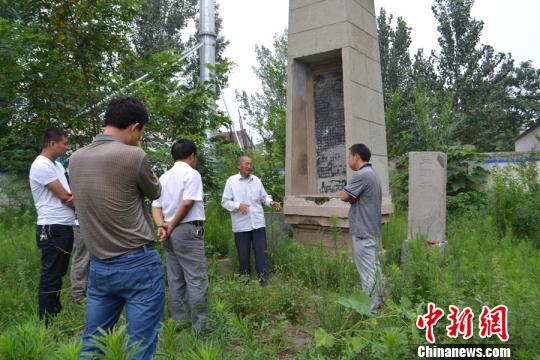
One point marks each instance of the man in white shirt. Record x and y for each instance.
(243, 197)
(179, 214)
(55, 219)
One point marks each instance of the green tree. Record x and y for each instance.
(394, 45)
(63, 61)
(465, 93)
(159, 24)
(485, 85)
(265, 112)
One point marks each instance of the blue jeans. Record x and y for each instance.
(134, 280)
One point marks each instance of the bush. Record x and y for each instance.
(218, 235)
(515, 200)
(15, 195)
(465, 178)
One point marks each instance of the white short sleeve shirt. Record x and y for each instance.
(181, 182)
(50, 209)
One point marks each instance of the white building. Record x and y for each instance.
(529, 140)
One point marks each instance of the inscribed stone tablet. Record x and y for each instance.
(329, 131)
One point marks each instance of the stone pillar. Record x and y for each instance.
(334, 100)
(427, 196)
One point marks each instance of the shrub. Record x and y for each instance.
(218, 235)
(515, 200)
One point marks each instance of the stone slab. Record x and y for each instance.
(319, 40)
(316, 15)
(427, 196)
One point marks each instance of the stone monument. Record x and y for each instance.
(334, 100)
(427, 196)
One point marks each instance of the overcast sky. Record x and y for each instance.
(509, 26)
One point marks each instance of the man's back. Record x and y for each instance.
(181, 182)
(109, 180)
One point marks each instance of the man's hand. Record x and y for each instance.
(69, 202)
(164, 231)
(244, 208)
(275, 205)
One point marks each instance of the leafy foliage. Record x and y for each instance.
(514, 199)
(265, 111)
(63, 61)
(466, 93)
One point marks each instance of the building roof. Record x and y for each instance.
(533, 127)
(239, 137)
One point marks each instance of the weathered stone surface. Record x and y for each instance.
(366, 103)
(361, 17)
(294, 4)
(364, 42)
(317, 15)
(427, 196)
(319, 40)
(337, 38)
(369, 5)
(374, 78)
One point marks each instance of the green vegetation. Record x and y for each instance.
(313, 307)
(464, 93)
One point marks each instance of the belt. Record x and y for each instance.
(142, 248)
(195, 222)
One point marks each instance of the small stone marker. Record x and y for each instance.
(427, 196)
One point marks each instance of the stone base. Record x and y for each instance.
(313, 218)
(310, 235)
(310, 230)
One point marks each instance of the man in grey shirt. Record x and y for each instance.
(110, 179)
(363, 192)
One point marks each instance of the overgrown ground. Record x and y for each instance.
(312, 308)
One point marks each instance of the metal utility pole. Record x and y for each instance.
(207, 37)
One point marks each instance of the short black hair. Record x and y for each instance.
(182, 149)
(124, 111)
(53, 134)
(361, 150)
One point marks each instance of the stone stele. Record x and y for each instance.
(334, 100)
(427, 196)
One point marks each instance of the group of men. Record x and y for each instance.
(101, 201)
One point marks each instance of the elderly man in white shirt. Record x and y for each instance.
(179, 214)
(243, 197)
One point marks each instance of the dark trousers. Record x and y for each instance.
(244, 241)
(55, 243)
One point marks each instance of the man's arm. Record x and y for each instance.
(157, 214)
(345, 196)
(58, 190)
(267, 199)
(227, 199)
(354, 189)
(181, 213)
(147, 181)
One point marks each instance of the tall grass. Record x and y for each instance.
(484, 264)
(218, 234)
